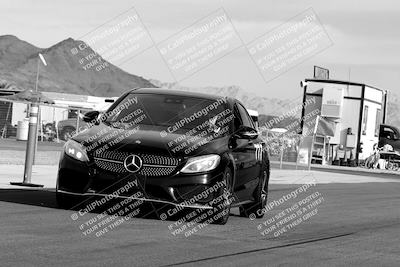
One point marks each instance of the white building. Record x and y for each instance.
(356, 109)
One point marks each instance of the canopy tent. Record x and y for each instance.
(29, 96)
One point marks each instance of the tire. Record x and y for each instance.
(254, 210)
(66, 133)
(223, 208)
(65, 201)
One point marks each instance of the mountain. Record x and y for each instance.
(64, 73)
(15, 52)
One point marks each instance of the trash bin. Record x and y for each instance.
(22, 130)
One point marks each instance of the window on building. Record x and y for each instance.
(365, 120)
(378, 121)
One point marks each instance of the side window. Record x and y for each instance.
(245, 118)
(237, 121)
(72, 113)
(395, 136)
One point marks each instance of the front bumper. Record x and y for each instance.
(184, 190)
(152, 200)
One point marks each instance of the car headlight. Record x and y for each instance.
(75, 150)
(201, 164)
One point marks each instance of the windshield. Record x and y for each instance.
(173, 111)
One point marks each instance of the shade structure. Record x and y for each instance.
(30, 96)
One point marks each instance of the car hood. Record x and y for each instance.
(148, 138)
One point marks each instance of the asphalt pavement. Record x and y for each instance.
(355, 222)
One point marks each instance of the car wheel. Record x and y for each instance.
(66, 133)
(255, 209)
(222, 208)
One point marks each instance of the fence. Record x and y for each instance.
(54, 123)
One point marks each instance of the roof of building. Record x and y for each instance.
(343, 82)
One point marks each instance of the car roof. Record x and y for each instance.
(166, 91)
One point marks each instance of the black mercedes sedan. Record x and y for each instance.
(173, 150)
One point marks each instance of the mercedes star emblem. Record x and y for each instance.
(133, 163)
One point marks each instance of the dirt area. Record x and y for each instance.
(13, 152)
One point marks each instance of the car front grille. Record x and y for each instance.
(153, 165)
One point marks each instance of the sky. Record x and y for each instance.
(365, 37)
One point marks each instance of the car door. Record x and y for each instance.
(246, 154)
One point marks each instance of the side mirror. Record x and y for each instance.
(245, 132)
(90, 116)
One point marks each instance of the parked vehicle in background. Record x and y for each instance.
(389, 135)
(67, 128)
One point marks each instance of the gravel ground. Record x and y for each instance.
(13, 152)
(18, 157)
